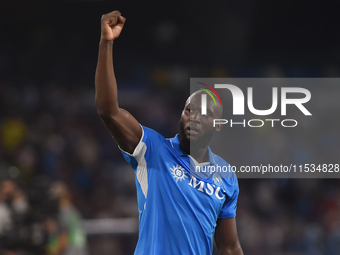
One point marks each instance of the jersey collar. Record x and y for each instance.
(177, 147)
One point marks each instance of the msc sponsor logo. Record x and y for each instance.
(178, 173)
(206, 188)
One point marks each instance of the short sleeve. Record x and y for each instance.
(142, 157)
(229, 207)
(148, 143)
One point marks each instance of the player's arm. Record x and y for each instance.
(226, 237)
(124, 128)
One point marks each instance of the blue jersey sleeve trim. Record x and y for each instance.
(138, 147)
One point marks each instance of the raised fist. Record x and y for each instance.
(112, 25)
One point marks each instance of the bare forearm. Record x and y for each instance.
(234, 251)
(106, 85)
(226, 237)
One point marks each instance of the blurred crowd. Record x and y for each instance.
(38, 219)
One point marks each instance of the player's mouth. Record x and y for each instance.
(193, 130)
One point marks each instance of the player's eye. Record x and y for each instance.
(209, 115)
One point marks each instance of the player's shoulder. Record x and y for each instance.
(227, 173)
(152, 135)
(148, 144)
(219, 160)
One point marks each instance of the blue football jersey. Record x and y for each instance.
(178, 206)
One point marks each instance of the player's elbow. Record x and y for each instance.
(106, 109)
(106, 115)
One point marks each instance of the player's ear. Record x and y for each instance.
(218, 127)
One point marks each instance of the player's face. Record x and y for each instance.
(197, 126)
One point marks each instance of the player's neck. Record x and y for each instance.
(200, 154)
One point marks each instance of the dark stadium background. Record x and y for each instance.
(49, 125)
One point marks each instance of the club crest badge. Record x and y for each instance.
(217, 179)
